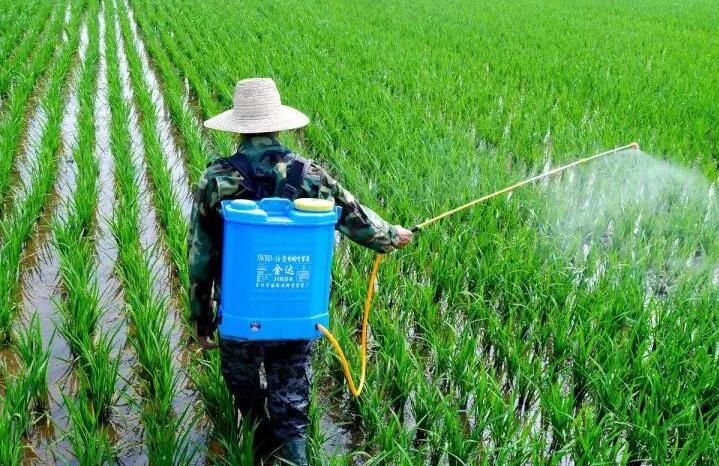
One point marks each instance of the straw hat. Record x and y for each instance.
(257, 109)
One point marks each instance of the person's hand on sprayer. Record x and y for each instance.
(404, 237)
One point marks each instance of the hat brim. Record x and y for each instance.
(285, 118)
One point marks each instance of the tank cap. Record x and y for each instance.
(313, 205)
(243, 204)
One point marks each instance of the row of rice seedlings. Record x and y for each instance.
(235, 439)
(165, 192)
(25, 393)
(17, 224)
(97, 363)
(80, 309)
(166, 438)
(22, 25)
(14, 105)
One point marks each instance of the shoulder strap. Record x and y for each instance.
(244, 167)
(295, 175)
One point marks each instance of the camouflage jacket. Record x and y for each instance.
(220, 181)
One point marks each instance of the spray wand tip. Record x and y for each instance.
(634, 145)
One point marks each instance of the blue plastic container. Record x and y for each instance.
(276, 270)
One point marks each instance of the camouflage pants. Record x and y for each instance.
(289, 378)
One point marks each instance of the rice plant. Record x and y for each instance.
(34, 358)
(26, 24)
(15, 419)
(14, 105)
(90, 443)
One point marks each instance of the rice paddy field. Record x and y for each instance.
(572, 322)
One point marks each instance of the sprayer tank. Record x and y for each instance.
(276, 268)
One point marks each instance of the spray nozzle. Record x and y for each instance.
(634, 145)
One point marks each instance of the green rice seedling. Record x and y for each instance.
(590, 443)
(238, 450)
(15, 419)
(89, 441)
(167, 436)
(154, 352)
(24, 26)
(235, 436)
(80, 310)
(393, 440)
(207, 377)
(97, 371)
(35, 361)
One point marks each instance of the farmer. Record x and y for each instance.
(263, 167)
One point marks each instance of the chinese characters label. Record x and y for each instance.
(288, 271)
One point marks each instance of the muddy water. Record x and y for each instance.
(175, 161)
(110, 289)
(29, 152)
(39, 276)
(125, 420)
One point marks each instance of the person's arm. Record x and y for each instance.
(203, 256)
(358, 222)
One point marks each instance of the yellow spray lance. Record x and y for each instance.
(356, 390)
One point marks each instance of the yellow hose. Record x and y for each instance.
(356, 390)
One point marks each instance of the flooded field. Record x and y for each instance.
(573, 322)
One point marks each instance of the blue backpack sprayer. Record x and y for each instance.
(277, 261)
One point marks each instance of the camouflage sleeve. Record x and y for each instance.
(203, 254)
(358, 222)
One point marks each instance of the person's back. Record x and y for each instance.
(263, 167)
